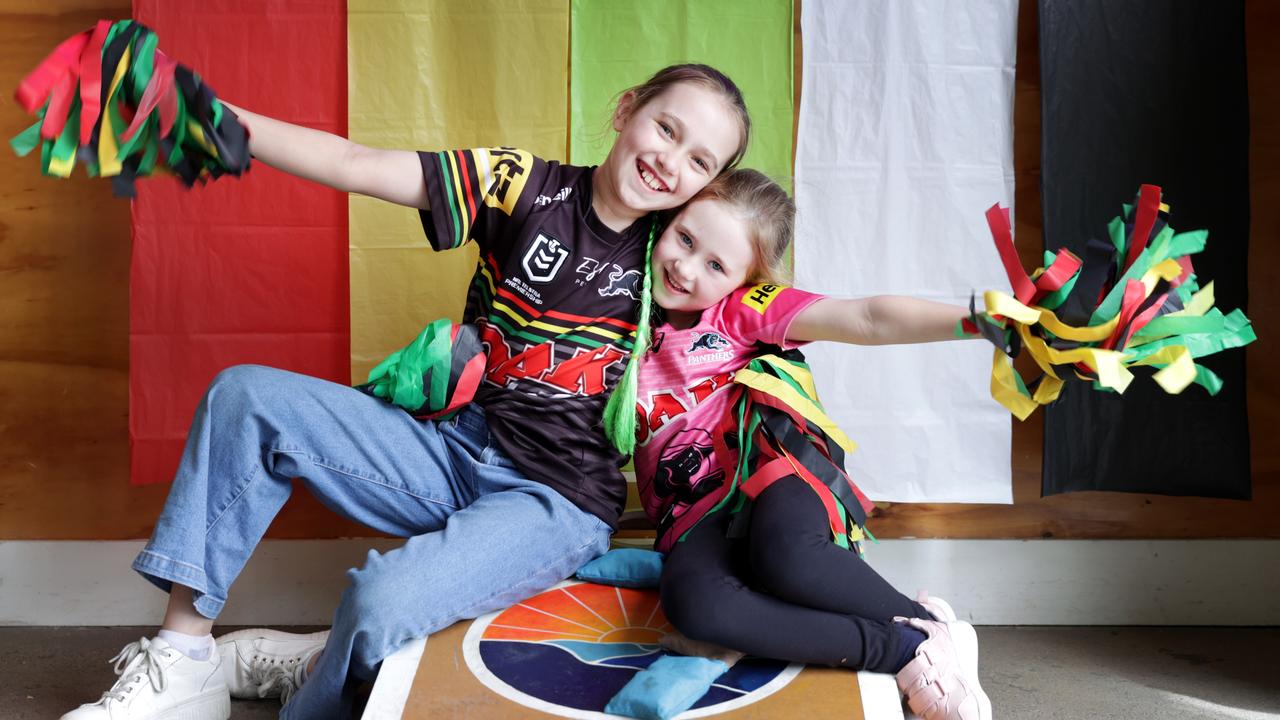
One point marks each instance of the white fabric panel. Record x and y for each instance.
(905, 139)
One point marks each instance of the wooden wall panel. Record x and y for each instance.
(64, 328)
(64, 253)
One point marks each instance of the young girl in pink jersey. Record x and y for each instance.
(778, 585)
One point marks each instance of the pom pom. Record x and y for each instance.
(110, 98)
(434, 375)
(1133, 300)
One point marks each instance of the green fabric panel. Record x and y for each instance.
(617, 44)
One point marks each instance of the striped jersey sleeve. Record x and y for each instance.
(476, 194)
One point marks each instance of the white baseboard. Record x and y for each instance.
(989, 582)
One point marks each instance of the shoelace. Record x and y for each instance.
(129, 672)
(272, 678)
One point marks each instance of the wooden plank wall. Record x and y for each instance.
(64, 266)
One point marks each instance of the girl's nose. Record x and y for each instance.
(663, 164)
(680, 271)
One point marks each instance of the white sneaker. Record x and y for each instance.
(157, 682)
(262, 663)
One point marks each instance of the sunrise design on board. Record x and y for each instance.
(570, 649)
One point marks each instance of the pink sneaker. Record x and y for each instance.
(941, 682)
(940, 609)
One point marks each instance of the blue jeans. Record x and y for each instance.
(481, 536)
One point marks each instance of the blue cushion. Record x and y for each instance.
(624, 567)
(671, 685)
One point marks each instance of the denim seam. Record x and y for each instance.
(164, 570)
(166, 558)
(381, 482)
(252, 479)
(530, 578)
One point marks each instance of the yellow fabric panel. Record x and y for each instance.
(435, 76)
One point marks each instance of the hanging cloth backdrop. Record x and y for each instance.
(905, 139)
(249, 270)
(1149, 92)
(620, 43)
(433, 76)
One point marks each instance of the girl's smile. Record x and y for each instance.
(666, 151)
(702, 256)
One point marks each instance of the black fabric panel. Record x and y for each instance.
(1149, 91)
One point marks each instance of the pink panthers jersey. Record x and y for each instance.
(684, 393)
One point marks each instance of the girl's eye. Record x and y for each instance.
(702, 164)
(686, 240)
(717, 266)
(666, 129)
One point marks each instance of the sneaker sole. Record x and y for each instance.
(210, 706)
(965, 640)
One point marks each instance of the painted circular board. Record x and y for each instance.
(568, 650)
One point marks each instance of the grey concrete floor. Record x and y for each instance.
(1048, 673)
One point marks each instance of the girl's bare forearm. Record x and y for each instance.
(325, 158)
(305, 152)
(878, 320)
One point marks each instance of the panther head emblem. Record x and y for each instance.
(708, 341)
(623, 282)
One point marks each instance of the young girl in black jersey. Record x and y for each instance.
(754, 558)
(509, 497)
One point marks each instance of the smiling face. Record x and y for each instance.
(702, 256)
(666, 151)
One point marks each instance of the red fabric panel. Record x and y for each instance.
(238, 271)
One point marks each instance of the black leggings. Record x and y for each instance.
(785, 591)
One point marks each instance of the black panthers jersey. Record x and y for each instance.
(555, 298)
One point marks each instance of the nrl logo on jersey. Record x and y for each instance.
(544, 258)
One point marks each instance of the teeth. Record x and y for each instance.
(674, 284)
(650, 180)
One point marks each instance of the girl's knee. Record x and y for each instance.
(238, 377)
(782, 567)
(369, 609)
(699, 608)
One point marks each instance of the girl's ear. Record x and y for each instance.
(623, 112)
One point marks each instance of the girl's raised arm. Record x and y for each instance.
(391, 175)
(878, 320)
